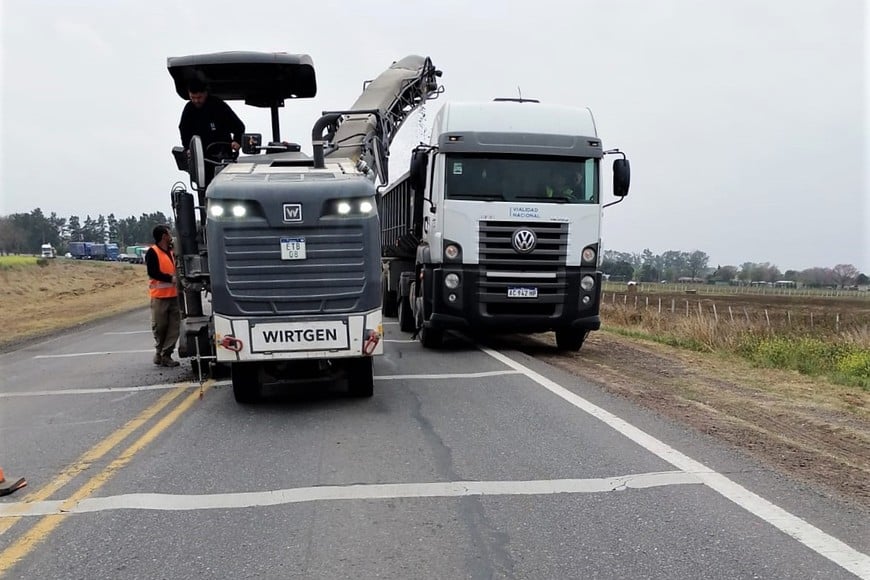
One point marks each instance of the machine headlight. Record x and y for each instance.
(365, 206)
(588, 255)
(343, 208)
(451, 281)
(587, 283)
(216, 210)
(239, 210)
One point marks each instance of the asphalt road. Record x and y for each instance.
(467, 463)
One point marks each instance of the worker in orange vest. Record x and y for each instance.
(165, 311)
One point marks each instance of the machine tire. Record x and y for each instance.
(406, 315)
(246, 387)
(360, 378)
(570, 339)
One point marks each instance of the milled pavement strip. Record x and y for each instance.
(41, 530)
(807, 534)
(238, 500)
(87, 459)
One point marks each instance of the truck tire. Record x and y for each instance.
(406, 316)
(246, 386)
(431, 337)
(389, 302)
(570, 339)
(360, 378)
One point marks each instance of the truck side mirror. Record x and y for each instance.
(621, 177)
(419, 163)
(251, 143)
(197, 163)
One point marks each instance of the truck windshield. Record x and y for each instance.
(519, 178)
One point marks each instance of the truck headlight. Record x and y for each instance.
(451, 281)
(587, 283)
(216, 210)
(588, 255)
(239, 210)
(365, 206)
(343, 208)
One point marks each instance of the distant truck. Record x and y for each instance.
(134, 254)
(93, 251)
(48, 251)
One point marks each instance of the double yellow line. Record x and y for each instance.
(39, 532)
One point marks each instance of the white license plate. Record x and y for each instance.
(522, 292)
(292, 248)
(299, 336)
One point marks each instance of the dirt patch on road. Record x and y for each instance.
(806, 427)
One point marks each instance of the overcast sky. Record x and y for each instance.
(744, 121)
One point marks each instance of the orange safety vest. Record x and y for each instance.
(157, 288)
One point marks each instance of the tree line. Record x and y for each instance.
(675, 266)
(24, 233)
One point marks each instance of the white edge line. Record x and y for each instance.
(179, 502)
(828, 546)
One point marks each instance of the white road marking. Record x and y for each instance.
(103, 391)
(129, 332)
(446, 376)
(97, 353)
(111, 390)
(828, 546)
(171, 502)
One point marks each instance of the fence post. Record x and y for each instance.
(673, 305)
(788, 314)
(687, 308)
(838, 322)
(715, 314)
(730, 313)
(767, 317)
(747, 314)
(811, 320)
(660, 304)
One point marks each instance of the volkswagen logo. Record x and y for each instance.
(524, 241)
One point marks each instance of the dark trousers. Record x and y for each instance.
(165, 322)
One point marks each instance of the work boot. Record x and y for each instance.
(168, 361)
(158, 360)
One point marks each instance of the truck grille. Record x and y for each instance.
(502, 267)
(330, 280)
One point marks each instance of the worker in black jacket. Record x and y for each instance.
(214, 121)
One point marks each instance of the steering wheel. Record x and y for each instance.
(221, 153)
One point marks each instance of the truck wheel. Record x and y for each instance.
(431, 337)
(570, 339)
(246, 387)
(406, 316)
(360, 377)
(390, 305)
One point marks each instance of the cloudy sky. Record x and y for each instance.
(744, 121)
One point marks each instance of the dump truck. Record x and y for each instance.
(286, 246)
(496, 227)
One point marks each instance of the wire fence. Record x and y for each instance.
(800, 318)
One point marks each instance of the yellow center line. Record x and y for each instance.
(39, 532)
(94, 454)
